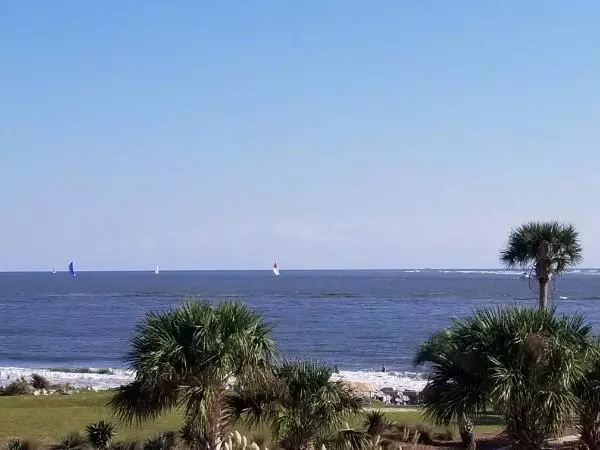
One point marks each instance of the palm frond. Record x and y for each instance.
(524, 242)
(348, 439)
(140, 401)
(433, 348)
(302, 404)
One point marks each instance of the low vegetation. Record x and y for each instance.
(17, 387)
(39, 382)
(35, 385)
(50, 420)
(537, 368)
(100, 434)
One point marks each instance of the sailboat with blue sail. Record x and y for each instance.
(71, 270)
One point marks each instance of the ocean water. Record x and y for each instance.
(357, 320)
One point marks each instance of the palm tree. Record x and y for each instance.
(303, 406)
(525, 362)
(185, 357)
(457, 388)
(544, 249)
(588, 408)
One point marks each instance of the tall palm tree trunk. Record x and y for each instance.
(466, 433)
(543, 271)
(197, 439)
(205, 431)
(543, 297)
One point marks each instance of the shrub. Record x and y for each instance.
(73, 442)
(126, 445)
(18, 444)
(376, 422)
(164, 441)
(425, 434)
(100, 434)
(65, 388)
(446, 435)
(18, 387)
(420, 433)
(39, 382)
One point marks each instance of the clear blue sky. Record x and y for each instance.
(323, 134)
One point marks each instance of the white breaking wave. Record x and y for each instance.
(118, 377)
(379, 380)
(517, 272)
(484, 272)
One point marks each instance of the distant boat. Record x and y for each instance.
(156, 271)
(71, 270)
(54, 270)
(276, 269)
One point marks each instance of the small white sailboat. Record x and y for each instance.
(54, 270)
(276, 269)
(156, 271)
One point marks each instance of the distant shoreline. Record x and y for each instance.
(101, 379)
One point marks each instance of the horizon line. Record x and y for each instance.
(364, 269)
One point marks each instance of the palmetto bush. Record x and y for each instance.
(73, 442)
(303, 407)
(376, 423)
(526, 362)
(100, 434)
(588, 408)
(163, 441)
(19, 444)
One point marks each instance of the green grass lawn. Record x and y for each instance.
(48, 419)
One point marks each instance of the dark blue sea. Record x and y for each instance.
(358, 320)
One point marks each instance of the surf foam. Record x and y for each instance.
(118, 377)
(378, 380)
(90, 379)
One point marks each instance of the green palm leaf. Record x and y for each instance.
(301, 404)
(185, 357)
